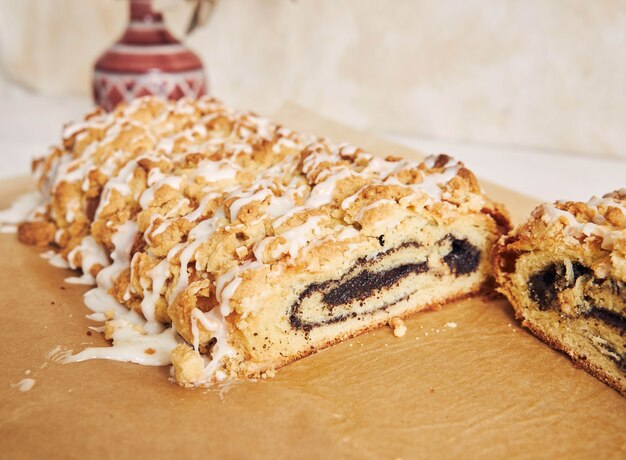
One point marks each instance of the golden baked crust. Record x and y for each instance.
(259, 244)
(564, 272)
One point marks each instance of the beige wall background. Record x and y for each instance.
(537, 73)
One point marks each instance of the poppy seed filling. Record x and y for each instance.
(362, 282)
(544, 288)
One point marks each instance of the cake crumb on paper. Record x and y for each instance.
(268, 374)
(399, 328)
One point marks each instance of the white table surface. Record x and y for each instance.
(30, 123)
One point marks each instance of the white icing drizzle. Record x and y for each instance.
(166, 144)
(222, 349)
(198, 315)
(58, 261)
(70, 170)
(214, 322)
(347, 150)
(163, 226)
(552, 214)
(154, 176)
(346, 233)
(54, 259)
(135, 339)
(110, 164)
(58, 235)
(279, 206)
(113, 131)
(322, 193)
(91, 254)
(374, 205)
(198, 235)
(103, 305)
(123, 241)
(160, 273)
(430, 185)
(384, 168)
(227, 284)
(259, 248)
(120, 183)
(132, 345)
(74, 128)
(349, 201)
(598, 227)
(320, 155)
(196, 213)
(20, 210)
(295, 239)
(147, 197)
(85, 279)
(245, 199)
(213, 171)
(70, 214)
(430, 161)
(596, 203)
(292, 241)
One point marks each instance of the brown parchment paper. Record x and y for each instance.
(486, 388)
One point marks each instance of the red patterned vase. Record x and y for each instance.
(147, 60)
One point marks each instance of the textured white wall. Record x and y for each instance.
(538, 73)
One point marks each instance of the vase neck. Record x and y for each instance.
(142, 11)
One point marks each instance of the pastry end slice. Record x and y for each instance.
(564, 272)
(316, 281)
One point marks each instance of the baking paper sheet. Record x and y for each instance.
(464, 382)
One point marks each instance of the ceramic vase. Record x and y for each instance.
(147, 60)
